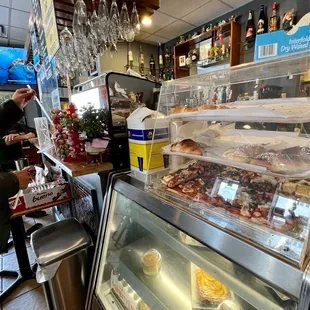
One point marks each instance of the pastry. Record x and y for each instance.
(190, 109)
(244, 153)
(209, 289)
(179, 109)
(151, 262)
(203, 107)
(183, 109)
(187, 146)
(222, 107)
(264, 159)
(144, 306)
(192, 171)
(228, 305)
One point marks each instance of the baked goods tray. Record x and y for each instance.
(278, 111)
(214, 154)
(273, 241)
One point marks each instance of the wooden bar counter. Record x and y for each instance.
(80, 168)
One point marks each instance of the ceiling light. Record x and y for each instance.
(146, 21)
(247, 127)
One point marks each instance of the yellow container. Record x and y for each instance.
(145, 150)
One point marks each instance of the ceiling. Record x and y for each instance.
(175, 17)
(15, 15)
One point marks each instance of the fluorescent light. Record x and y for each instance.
(146, 21)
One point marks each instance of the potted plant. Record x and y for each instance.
(94, 124)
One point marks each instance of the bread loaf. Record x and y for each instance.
(187, 146)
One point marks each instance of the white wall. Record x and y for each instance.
(119, 62)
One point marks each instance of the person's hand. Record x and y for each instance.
(22, 96)
(23, 178)
(11, 138)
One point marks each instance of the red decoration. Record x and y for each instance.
(70, 146)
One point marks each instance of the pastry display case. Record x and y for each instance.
(239, 153)
(154, 255)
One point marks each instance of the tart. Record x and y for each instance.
(151, 262)
(209, 289)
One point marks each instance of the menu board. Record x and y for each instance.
(50, 26)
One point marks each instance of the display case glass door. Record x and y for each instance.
(149, 264)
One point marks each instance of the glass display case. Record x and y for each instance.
(239, 153)
(152, 255)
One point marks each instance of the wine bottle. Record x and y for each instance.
(130, 57)
(152, 66)
(262, 22)
(141, 62)
(160, 61)
(250, 30)
(160, 57)
(274, 19)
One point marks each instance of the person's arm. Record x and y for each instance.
(12, 110)
(9, 185)
(18, 137)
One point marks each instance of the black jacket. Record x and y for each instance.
(10, 114)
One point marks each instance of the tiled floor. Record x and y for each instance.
(29, 295)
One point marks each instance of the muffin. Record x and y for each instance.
(151, 262)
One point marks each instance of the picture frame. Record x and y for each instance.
(182, 61)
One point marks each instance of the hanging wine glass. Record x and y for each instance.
(66, 41)
(125, 21)
(135, 21)
(104, 21)
(82, 12)
(114, 23)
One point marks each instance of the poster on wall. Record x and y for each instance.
(50, 27)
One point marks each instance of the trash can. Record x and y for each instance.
(61, 255)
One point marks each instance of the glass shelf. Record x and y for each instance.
(295, 64)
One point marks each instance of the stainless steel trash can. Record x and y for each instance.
(61, 255)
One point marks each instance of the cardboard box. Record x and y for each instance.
(280, 43)
(146, 158)
(40, 196)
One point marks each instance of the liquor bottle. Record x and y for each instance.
(261, 24)
(160, 62)
(221, 35)
(167, 58)
(188, 60)
(152, 66)
(288, 20)
(130, 57)
(141, 62)
(274, 19)
(250, 30)
(256, 89)
(172, 68)
(194, 55)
